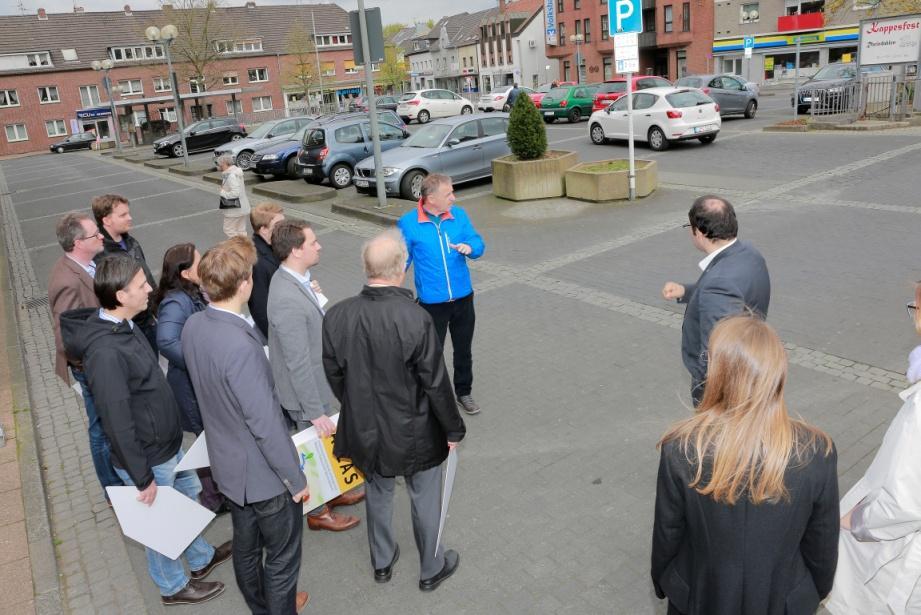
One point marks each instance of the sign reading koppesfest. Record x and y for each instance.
(550, 26)
(892, 40)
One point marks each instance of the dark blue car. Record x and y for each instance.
(278, 159)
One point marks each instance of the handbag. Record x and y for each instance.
(229, 203)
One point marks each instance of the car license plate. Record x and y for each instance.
(548, 112)
(807, 98)
(706, 128)
(308, 171)
(361, 183)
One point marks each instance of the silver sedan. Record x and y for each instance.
(734, 94)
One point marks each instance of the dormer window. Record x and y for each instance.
(42, 58)
(136, 53)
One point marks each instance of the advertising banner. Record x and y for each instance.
(892, 40)
(550, 27)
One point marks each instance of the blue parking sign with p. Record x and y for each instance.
(628, 16)
(748, 42)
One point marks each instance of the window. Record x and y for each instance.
(196, 86)
(604, 27)
(643, 101)
(668, 18)
(258, 74)
(168, 114)
(465, 132)
(55, 128)
(162, 85)
(16, 132)
(223, 46)
(576, 4)
(48, 94)
(388, 132)
(686, 17)
(587, 29)
(562, 36)
(493, 126)
(350, 68)
(9, 98)
(606, 65)
(329, 69)
(70, 55)
(349, 134)
(262, 103)
(749, 13)
(234, 107)
(566, 70)
(131, 54)
(253, 44)
(649, 20)
(39, 59)
(346, 39)
(131, 86)
(231, 79)
(559, 6)
(89, 95)
(578, 27)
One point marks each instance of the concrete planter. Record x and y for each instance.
(599, 185)
(522, 180)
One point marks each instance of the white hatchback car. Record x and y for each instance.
(660, 116)
(497, 99)
(423, 105)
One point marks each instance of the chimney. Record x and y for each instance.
(250, 5)
(78, 10)
(127, 9)
(42, 15)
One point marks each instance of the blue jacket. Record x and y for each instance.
(441, 273)
(172, 313)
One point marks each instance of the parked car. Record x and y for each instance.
(733, 93)
(278, 159)
(830, 87)
(383, 115)
(611, 90)
(572, 102)
(266, 133)
(202, 135)
(385, 101)
(81, 140)
(460, 147)
(538, 94)
(423, 105)
(331, 150)
(661, 116)
(497, 99)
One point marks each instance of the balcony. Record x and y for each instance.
(806, 21)
(646, 40)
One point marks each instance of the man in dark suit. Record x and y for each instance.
(734, 279)
(253, 459)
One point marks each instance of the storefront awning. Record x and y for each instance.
(168, 98)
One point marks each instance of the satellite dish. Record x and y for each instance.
(753, 15)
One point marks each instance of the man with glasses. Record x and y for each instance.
(735, 279)
(70, 286)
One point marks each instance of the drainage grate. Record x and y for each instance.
(36, 302)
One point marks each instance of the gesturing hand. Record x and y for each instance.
(148, 495)
(462, 248)
(673, 290)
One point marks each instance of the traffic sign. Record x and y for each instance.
(748, 42)
(628, 16)
(631, 65)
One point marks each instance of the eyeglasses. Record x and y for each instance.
(912, 309)
(96, 235)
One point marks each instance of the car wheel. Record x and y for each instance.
(575, 115)
(707, 139)
(597, 134)
(60, 150)
(507, 108)
(291, 167)
(340, 176)
(177, 150)
(243, 159)
(236, 137)
(549, 119)
(751, 109)
(424, 117)
(466, 110)
(657, 139)
(411, 186)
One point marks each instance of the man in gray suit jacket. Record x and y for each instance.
(734, 279)
(296, 351)
(253, 460)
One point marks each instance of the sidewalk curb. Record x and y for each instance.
(368, 215)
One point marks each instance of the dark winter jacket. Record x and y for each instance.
(132, 397)
(133, 249)
(173, 311)
(385, 364)
(265, 268)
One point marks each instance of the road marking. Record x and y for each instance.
(70, 180)
(74, 211)
(584, 137)
(100, 189)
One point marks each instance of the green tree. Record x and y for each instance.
(393, 69)
(391, 30)
(301, 70)
(204, 31)
(527, 136)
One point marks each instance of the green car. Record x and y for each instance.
(573, 102)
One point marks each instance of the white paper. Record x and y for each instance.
(196, 457)
(311, 432)
(450, 471)
(321, 300)
(167, 526)
(76, 387)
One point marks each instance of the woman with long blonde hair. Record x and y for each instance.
(746, 516)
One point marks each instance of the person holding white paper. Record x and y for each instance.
(139, 415)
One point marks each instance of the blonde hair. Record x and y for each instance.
(261, 215)
(741, 439)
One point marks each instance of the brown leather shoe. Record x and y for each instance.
(195, 592)
(329, 520)
(301, 601)
(348, 498)
(221, 555)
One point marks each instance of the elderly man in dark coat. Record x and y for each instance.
(404, 420)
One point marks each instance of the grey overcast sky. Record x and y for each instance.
(402, 11)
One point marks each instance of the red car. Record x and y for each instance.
(542, 90)
(611, 90)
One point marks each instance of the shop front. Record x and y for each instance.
(95, 120)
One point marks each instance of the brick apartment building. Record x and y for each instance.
(48, 89)
(676, 41)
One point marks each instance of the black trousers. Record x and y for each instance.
(459, 317)
(272, 527)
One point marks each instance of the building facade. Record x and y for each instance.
(513, 48)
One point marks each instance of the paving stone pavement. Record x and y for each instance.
(577, 367)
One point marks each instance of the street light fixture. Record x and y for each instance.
(577, 40)
(165, 37)
(106, 66)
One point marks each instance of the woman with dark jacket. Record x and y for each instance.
(178, 296)
(746, 515)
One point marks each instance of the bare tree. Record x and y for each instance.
(301, 63)
(204, 33)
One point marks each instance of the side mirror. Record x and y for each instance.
(192, 133)
(453, 142)
(608, 110)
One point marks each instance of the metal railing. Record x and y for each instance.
(886, 97)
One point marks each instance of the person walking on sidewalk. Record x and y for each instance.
(296, 352)
(140, 416)
(440, 238)
(70, 286)
(263, 218)
(385, 364)
(233, 192)
(253, 458)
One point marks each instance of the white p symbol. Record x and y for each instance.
(623, 9)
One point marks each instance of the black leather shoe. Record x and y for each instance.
(382, 575)
(221, 555)
(452, 560)
(195, 592)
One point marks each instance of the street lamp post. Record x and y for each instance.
(577, 40)
(165, 37)
(111, 90)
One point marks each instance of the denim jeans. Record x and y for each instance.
(168, 574)
(99, 442)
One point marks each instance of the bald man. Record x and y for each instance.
(382, 331)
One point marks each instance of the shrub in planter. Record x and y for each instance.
(527, 136)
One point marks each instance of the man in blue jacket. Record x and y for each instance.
(440, 238)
